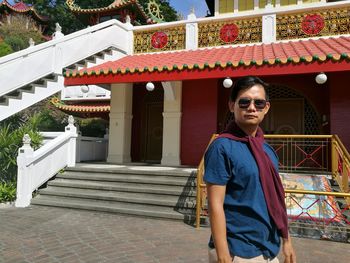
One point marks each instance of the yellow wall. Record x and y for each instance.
(288, 2)
(245, 5)
(226, 6)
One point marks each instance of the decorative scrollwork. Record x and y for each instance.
(166, 39)
(229, 32)
(71, 4)
(153, 10)
(321, 23)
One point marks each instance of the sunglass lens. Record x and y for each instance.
(244, 103)
(260, 104)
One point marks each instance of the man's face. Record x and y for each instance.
(249, 108)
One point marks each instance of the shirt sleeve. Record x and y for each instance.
(217, 164)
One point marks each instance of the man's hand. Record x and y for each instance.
(226, 259)
(288, 251)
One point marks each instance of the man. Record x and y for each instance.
(245, 194)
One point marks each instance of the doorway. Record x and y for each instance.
(147, 124)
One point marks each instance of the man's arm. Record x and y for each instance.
(216, 196)
(288, 251)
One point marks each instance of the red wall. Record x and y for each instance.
(317, 95)
(199, 118)
(340, 106)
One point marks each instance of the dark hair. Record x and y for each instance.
(246, 83)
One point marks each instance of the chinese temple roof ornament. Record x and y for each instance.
(152, 14)
(23, 8)
(153, 10)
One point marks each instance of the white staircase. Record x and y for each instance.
(33, 74)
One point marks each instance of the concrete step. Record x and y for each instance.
(108, 206)
(137, 198)
(132, 178)
(124, 187)
(135, 169)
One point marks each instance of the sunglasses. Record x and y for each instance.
(259, 104)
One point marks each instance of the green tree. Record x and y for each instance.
(12, 131)
(57, 11)
(5, 49)
(18, 32)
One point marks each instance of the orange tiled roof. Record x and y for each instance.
(86, 107)
(292, 52)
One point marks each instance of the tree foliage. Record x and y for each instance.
(57, 11)
(18, 32)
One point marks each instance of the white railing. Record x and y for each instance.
(52, 56)
(37, 167)
(88, 148)
(91, 149)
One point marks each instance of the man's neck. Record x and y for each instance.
(250, 130)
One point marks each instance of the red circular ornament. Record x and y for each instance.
(312, 24)
(229, 33)
(159, 40)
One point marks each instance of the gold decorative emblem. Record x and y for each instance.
(227, 32)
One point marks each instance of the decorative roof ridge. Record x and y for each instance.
(80, 108)
(30, 8)
(121, 3)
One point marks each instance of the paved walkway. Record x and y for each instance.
(38, 234)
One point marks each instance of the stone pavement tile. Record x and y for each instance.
(39, 234)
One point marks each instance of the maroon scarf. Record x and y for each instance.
(269, 178)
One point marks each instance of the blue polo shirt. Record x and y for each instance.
(250, 230)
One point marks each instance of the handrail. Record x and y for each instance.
(52, 56)
(86, 31)
(342, 179)
(37, 167)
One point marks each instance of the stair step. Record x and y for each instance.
(122, 186)
(113, 207)
(143, 198)
(132, 178)
(114, 169)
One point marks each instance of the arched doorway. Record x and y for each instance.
(290, 113)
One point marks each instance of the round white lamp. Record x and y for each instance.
(150, 86)
(321, 78)
(227, 83)
(84, 89)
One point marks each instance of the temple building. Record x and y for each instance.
(120, 10)
(167, 89)
(10, 10)
(94, 101)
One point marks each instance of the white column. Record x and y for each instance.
(216, 8)
(256, 4)
(235, 8)
(191, 33)
(120, 119)
(72, 148)
(172, 123)
(269, 28)
(24, 173)
(278, 3)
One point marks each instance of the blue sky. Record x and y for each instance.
(184, 7)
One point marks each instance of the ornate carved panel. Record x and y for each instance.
(229, 32)
(164, 39)
(318, 23)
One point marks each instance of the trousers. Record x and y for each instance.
(260, 259)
